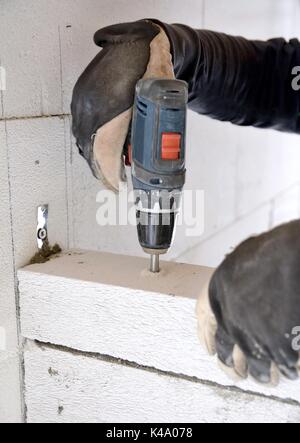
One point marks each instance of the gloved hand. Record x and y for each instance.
(250, 312)
(103, 96)
(230, 78)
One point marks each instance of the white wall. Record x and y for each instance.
(9, 358)
(255, 183)
(250, 177)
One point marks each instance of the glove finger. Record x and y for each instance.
(207, 324)
(286, 360)
(224, 346)
(289, 373)
(239, 370)
(160, 63)
(108, 163)
(275, 375)
(126, 33)
(240, 362)
(258, 361)
(260, 369)
(241, 367)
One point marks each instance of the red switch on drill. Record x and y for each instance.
(170, 146)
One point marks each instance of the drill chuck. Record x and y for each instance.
(156, 213)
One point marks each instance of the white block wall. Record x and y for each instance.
(124, 394)
(250, 177)
(10, 404)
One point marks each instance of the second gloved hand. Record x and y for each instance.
(251, 313)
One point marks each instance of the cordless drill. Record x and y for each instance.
(158, 161)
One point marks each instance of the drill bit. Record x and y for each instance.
(154, 263)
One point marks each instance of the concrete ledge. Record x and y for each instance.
(110, 305)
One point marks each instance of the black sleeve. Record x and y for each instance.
(238, 80)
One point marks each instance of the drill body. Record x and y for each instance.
(158, 139)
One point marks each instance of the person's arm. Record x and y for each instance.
(238, 80)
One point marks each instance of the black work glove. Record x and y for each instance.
(250, 316)
(103, 96)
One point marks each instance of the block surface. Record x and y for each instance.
(110, 305)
